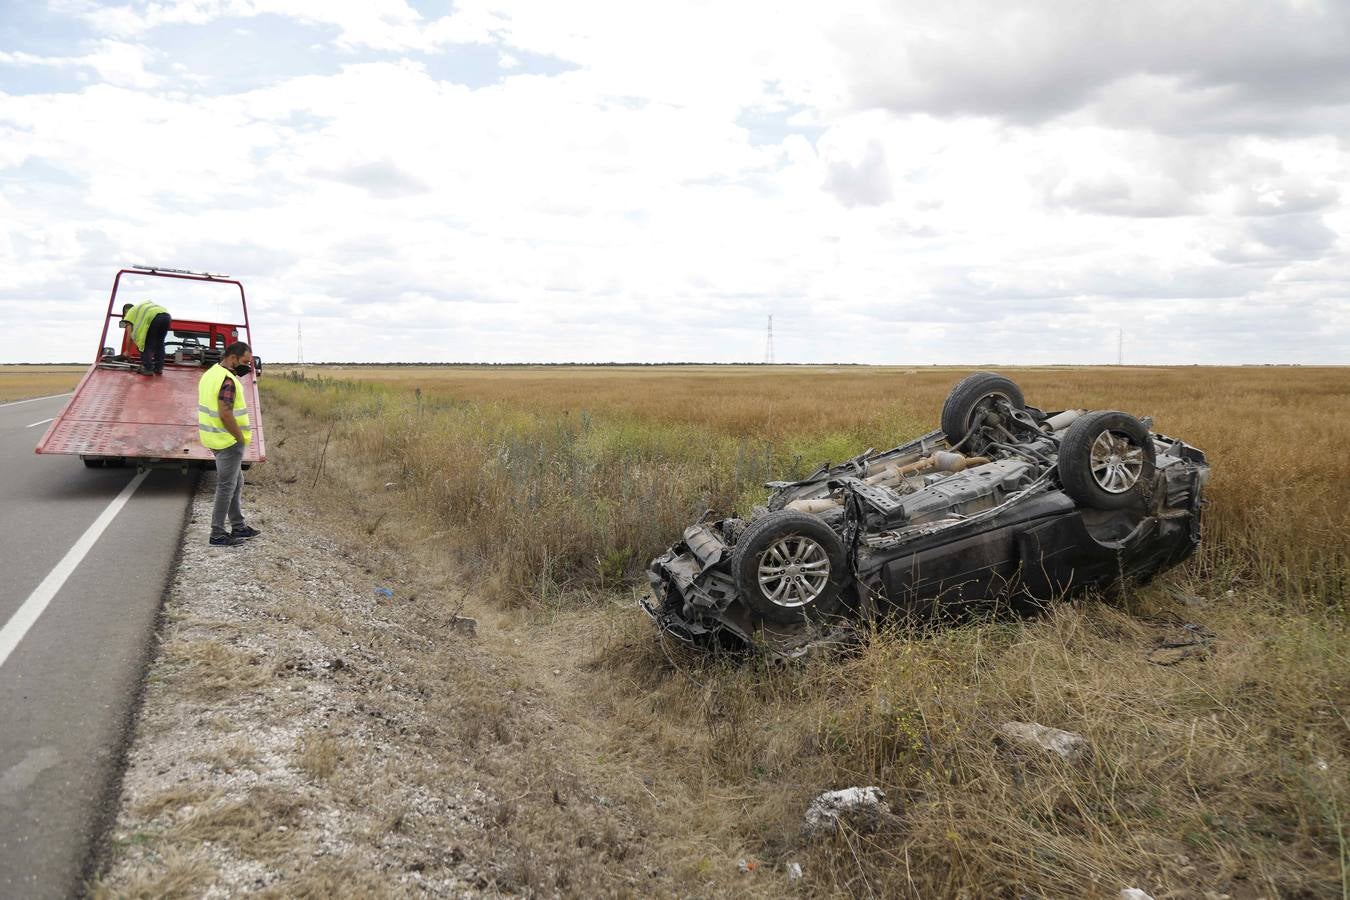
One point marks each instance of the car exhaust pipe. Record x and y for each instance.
(1060, 421)
(941, 461)
(816, 506)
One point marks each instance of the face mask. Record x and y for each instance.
(241, 371)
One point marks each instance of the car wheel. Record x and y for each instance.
(974, 395)
(789, 565)
(1106, 460)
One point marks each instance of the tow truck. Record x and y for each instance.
(117, 417)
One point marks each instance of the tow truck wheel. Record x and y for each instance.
(789, 566)
(1106, 460)
(977, 395)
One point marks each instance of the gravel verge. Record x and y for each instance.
(271, 688)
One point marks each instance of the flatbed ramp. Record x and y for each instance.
(122, 415)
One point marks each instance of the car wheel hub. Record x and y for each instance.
(793, 571)
(1117, 462)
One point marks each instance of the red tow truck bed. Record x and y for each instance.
(117, 415)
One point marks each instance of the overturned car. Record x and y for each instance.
(1005, 506)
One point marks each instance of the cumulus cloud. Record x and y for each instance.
(1037, 59)
(380, 178)
(602, 181)
(864, 183)
(113, 62)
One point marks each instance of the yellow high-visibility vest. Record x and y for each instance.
(140, 317)
(210, 427)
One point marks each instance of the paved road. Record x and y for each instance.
(69, 686)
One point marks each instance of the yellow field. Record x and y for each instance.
(23, 382)
(1275, 437)
(553, 487)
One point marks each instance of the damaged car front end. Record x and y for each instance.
(1004, 505)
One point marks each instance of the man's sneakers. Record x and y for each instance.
(225, 540)
(235, 537)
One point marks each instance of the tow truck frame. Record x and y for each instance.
(117, 417)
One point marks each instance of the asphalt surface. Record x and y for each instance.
(69, 687)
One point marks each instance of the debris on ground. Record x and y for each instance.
(1130, 893)
(860, 808)
(794, 871)
(1185, 642)
(1064, 744)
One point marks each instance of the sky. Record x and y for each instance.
(532, 181)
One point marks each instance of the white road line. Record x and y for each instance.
(42, 595)
(35, 399)
(43, 422)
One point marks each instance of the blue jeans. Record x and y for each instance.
(229, 485)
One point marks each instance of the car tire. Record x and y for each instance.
(1106, 460)
(969, 394)
(789, 566)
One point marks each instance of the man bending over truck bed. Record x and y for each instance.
(149, 323)
(222, 424)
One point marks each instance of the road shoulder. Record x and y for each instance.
(305, 734)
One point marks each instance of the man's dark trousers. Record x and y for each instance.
(229, 489)
(152, 357)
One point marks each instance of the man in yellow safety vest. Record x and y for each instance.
(223, 426)
(149, 324)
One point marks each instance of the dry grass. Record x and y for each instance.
(565, 478)
(209, 669)
(177, 876)
(319, 757)
(22, 382)
(260, 824)
(1229, 773)
(238, 754)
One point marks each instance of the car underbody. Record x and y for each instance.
(1005, 506)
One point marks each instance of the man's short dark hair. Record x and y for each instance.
(125, 307)
(238, 348)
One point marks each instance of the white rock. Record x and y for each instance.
(1133, 894)
(794, 871)
(862, 807)
(1064, 744)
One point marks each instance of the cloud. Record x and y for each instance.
(894, 185)
(114, 62)
(1038, 59)
(381, 178)
(864, 183)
